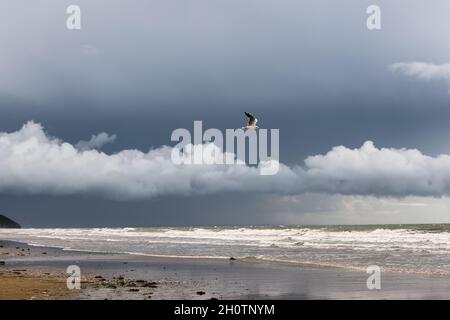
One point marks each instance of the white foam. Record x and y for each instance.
(302, 245)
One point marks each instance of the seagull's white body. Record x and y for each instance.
(251, 125)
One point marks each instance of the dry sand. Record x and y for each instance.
(17, 285)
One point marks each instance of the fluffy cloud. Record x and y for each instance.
(96, 141)
(423, 70)
(372, 171)
(31, 162)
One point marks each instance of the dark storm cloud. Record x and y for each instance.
(85, 211)
(311, 69)
(200, 52)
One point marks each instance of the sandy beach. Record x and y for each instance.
(28, 272)
(23, 285)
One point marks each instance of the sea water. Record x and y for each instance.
(397, 248)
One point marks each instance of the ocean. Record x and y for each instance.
(421, 248)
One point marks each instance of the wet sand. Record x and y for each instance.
(28, 272)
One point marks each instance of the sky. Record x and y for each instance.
(86, 116)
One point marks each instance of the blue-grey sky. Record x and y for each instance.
(310, 68)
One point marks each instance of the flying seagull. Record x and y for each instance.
(251, 122)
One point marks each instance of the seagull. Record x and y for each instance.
(251, 122)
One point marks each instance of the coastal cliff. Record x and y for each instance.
(5, 222)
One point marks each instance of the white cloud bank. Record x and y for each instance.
(31, 162)
(423, 70)
(96, 142)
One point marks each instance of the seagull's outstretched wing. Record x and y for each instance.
(251, 119)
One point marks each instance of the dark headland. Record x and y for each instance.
(6, 222)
